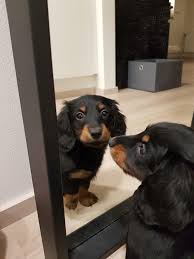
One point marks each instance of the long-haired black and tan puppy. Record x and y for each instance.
(84, 128)
(161, 223)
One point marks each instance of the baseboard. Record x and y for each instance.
(189, 55)
(71, 87)
(113, 90)
(78, 92)
(74, 93)
(17, 212)
(177, 55)
(174, 49)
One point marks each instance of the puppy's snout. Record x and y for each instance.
(112, 142)
(95, 132)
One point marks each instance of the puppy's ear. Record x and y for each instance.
(183, 143)
(65, 133)
(179, 138)
(165, 199)
(117, 123)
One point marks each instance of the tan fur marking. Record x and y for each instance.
(71, 201)
(87, 138)
(100, 106)
(119, 155)
(85, 135)
(81, 174)
(82, 108)
(105, 133)
(146, 138)
(86, 198)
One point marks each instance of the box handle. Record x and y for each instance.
(141, 67)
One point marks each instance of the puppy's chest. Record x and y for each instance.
(89, 159)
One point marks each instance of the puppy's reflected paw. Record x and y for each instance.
(70, 201)
(88, 200)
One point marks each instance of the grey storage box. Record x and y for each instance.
(154, 75)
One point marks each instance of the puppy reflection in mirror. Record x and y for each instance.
(161, 222)
(85, 126)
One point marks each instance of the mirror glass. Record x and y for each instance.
(134, 53)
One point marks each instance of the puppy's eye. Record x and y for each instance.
(141, 149)
(104, 113)
(80, 115)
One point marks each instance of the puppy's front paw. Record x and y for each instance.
(72, 205)
(70, 201)
(88, 199)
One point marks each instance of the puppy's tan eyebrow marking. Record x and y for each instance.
(145, 138)
(82, 108)
(100, 106)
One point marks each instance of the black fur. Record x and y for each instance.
(161, 224)
(76, 154)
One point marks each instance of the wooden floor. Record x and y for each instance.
(22, 240)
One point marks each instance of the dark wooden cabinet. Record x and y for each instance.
(142, 31)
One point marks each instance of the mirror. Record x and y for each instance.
(126, 52)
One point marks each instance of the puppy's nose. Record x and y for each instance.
(112, 142)
(95, 132)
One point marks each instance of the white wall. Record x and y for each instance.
(73, 37)
(181, 37)
(105, 15)
(177, 26)
(15, 178)
(189, 27)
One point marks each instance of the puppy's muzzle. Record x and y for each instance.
(96, 132)
(118, 152)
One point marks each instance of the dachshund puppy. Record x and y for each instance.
(85, 126)
(161, 223)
